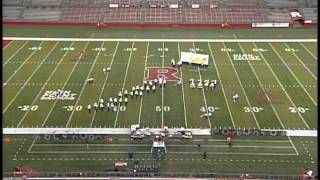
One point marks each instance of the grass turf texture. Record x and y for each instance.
(151, 33)
(287, 76)
(76, 155)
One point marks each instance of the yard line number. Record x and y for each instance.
(27, 108)
(252, 109)
(80, 107)
(35, 48)
(209, 109)
(165, 108)
(298, 109)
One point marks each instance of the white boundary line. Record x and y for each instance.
(308, 51)
(84, 84)
(245, 94)
(15, 53)
(182, 84)
(65, 83)
(303, 64)
(148, 152)
(170, 145)
(295, 77)
(224, 94)
(124, 83)
(269, 100)
(21, 65)
(45, 84)
(105, 82)
(283, 89)
(204, 95)
(144, 76)
(159, 40)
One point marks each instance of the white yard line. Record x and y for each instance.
(124, 82)
(268, 98)
(24, 62)
(65, 83)
(204, 96)
(32, 144)
(303, 64)
(162, 88)
(144, 76)
(104, 84)
(295, 77)
(29, 78)
(45, 84)
(15, 53)
(283, 89)
(244, 92)
(84, 84)
(159, 40)
(224, 94)
(308, 51)
(182, 86)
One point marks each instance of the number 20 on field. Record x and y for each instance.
(298, 109)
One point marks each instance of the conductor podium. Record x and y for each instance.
(158, 149)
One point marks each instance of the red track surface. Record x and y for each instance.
(5, 43)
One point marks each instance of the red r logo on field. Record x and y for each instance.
(162, 72)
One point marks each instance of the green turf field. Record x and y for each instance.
(279, 91)
(253, 155)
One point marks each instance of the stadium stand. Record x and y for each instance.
(159, 11)
(161, 3)
(163, 15)
(285, 3)
(82, 14)
(11, 13)
(122, 15)
(310, 14)
(242, 4)
(278, 15)
(12, 3)
(311, 3)
(83, 3)
(42, 14)
(126, 3)
(46, 2)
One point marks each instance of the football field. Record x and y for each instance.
(45, 83)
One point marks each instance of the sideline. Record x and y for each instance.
(158, 40)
